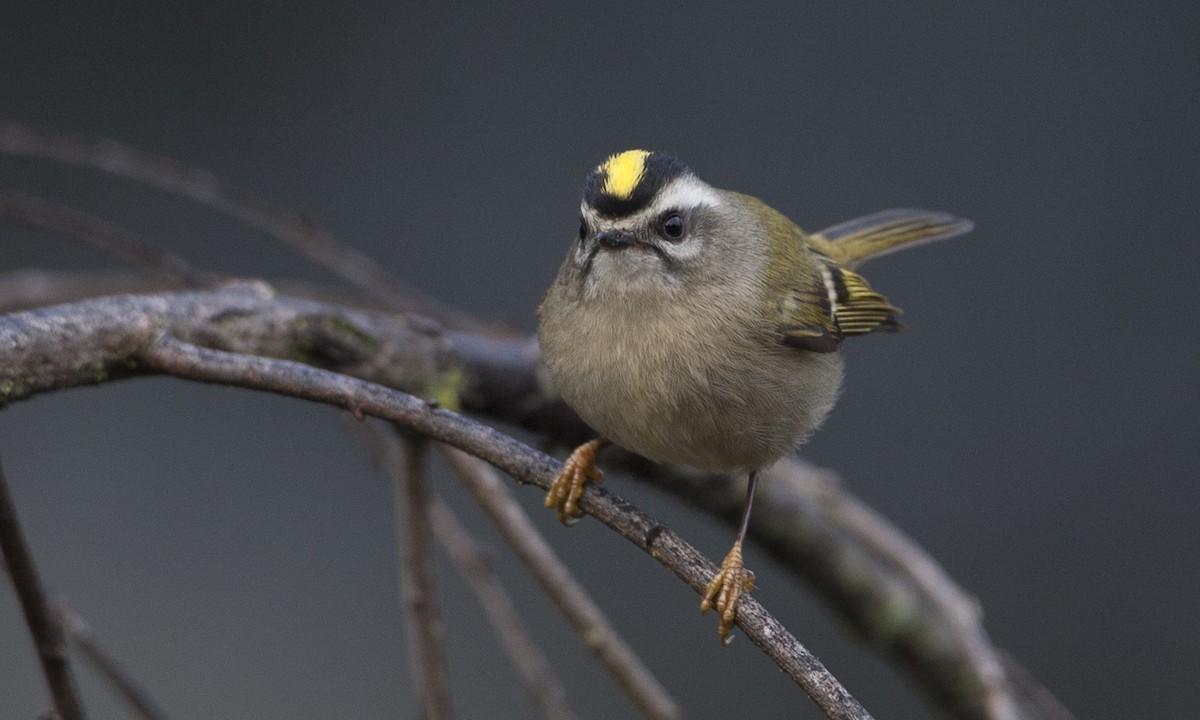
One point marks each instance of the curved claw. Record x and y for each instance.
(568, 486)
(725, 590)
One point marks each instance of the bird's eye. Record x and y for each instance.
(672, 226)
(582, 228)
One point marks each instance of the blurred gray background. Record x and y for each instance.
(1034, 427)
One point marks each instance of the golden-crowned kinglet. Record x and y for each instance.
(700, 326)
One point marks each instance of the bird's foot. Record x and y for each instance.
(725, 591)
(568, 485)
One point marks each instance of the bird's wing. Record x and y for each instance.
(818, 317)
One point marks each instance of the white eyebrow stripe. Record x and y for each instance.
(686, 193)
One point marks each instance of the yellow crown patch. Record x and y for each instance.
(623, 172)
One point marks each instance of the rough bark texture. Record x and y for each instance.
(99, 340)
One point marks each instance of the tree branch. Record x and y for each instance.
(78, 631)
(81, 633)
(97, 341)
(474, 564)
(168, 356)
(889, 589)
(803, 517)
(559, 583)
(406, 460)
(44, 624)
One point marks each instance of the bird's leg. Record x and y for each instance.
(726, 588)
(568, 485)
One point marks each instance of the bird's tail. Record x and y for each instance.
(855, 241)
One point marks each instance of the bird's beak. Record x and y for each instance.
(615, 239)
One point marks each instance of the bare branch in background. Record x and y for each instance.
(44, 625)
(407, 461)
(960, 610)
(81, 633)
(102, 235)
(78, 631)
(475, 566)
(560, 585)
(291, 228)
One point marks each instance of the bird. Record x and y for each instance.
(700, 326)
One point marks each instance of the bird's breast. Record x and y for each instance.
(689, 383)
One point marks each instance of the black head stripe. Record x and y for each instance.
(659, 169)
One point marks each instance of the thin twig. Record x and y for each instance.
(289, 227)
(475, 566)
(162, 269)
(134, 693)
(598, 634)
(406, 462)
(169, 356)
(103, 235)
(46, 628)
(1031, 696)
(80, 632)
(97, 341)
